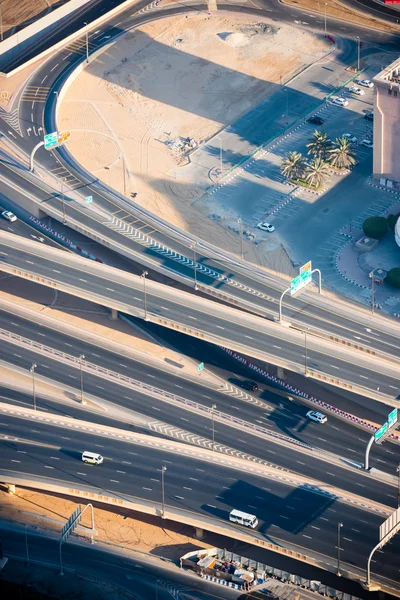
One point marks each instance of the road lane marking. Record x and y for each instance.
(114, 480)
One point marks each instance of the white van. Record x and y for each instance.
(92, 458)
(237, 516)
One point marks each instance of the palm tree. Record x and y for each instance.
(317, 172)
(293, 166)
(341, 155)
(319, 144)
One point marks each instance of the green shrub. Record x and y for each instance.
(375, 227)
(393, 277)
(392, 220)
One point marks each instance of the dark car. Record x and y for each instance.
(251, 386)
(315, 120)
(369, 116)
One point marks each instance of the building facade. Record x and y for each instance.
(387, 123)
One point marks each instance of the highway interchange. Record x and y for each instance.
(311, 523)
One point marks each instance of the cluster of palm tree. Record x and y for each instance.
(326, 154)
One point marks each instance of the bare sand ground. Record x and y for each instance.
(166, 81)
(24, 12)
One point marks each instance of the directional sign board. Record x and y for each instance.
(63, 137)
(302, 279)
(89, 199)
(200, 367)
(380, 432)
(51, 140)
(393, 417)
(391, 526)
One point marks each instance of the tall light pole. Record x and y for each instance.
(305, 351)
(32, 369)
(326, 4)
(26, 543)
(358, 53)
(398, 486)
(213, 407)
(81, 358)
(87, 45)
(143, 276)
(1, 25)
(193, 247)
(339, 527)
(163, 469)
(220, 154)
(372, 277)
(124, 172)
(240, 221)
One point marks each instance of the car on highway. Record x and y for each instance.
(369, 116)
(315, 120)
(366, 83)
(349, 136)
(251, 386)
(367, 143)
(92, 458)
(316, 416)
(340, 101)
(356, 90)
(6, 214)
(264, 226)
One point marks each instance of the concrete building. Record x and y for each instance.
(387, 123)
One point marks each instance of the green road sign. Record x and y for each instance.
(200, 367)
(380, 432)
(51, 140)
(302, 279)
(89, 199)
(392, 418)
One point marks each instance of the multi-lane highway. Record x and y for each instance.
(294, 516)
(198, 317)
(281, 423)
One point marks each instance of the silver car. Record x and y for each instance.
(316, 416)
(6, 214)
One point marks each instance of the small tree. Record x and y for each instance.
(341, 155)
(319, 144)
(392, 220)
(293, 166)
(375, 227)
(393, 277)
(317, 173)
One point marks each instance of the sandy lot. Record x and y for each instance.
(23, 12)
(181, 77)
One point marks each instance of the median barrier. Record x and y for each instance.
(338, 412)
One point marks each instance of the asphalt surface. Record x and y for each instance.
(31, 116)
(286, 515)
(254, 338)
(278, 417)
(146, 577)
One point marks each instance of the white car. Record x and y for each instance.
(367, 143)
(356, 90)
(266, 227)
(366, 83)
(6, 214)
(316, 416)
(349, 136)
(340, 101)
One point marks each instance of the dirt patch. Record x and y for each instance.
(132, 110)
(336, 9)
(20, 13)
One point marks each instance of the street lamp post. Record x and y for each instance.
(339, 527)
(358, 53)
(326, 4)
(63, 201)
(213, 407)
(143, 275)
(163, 469)
(398, 486)
(81, 358)
(372, 277)
(305, 352)
(1, 25)
(240, 221)
(26, 544)
(193, 247)
(32, 369)
(87, 44)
